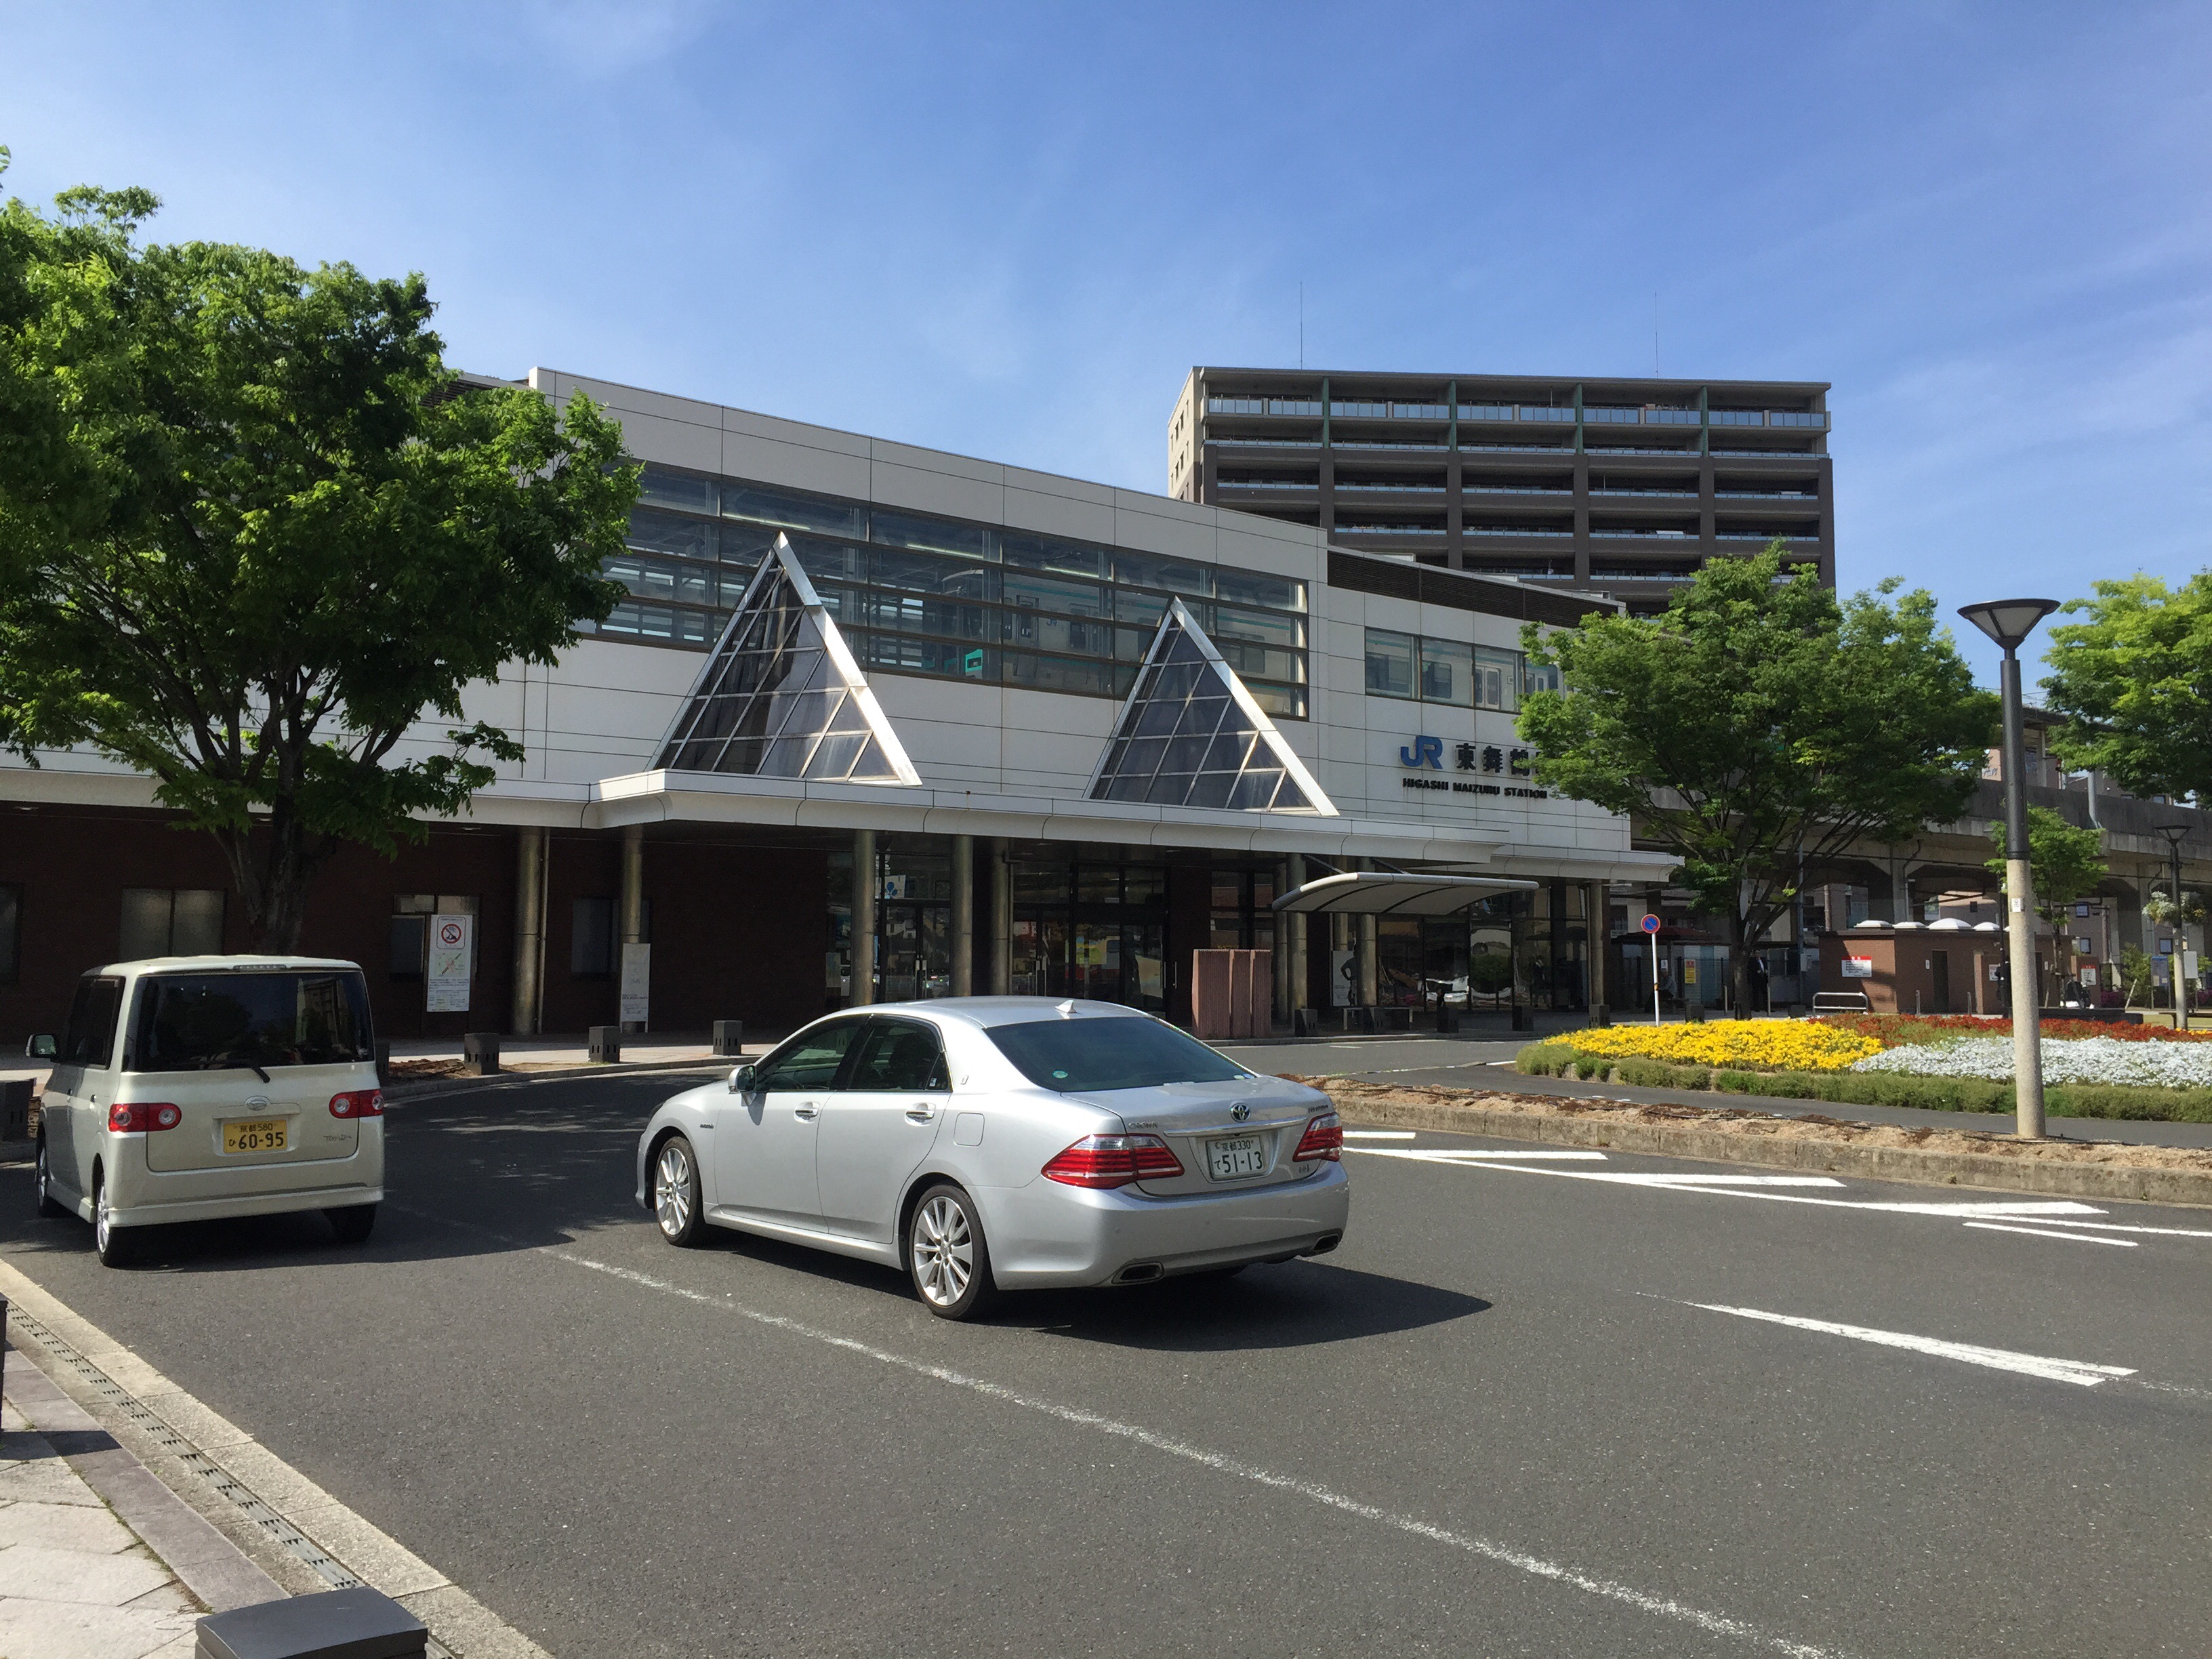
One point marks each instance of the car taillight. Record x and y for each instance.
(131, 1116)
(1104, 1161)
(359, 1102)
(1324, 1137)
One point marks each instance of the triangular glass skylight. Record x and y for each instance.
(781, 695)
(1191, 735)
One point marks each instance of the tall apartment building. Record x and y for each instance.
(1621, 487)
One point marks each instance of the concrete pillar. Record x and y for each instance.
(633, 898)
(1002, 918)
(1294, 952)
(863, 918)
(529, 931)
(963, 915)
(1279, 965)
(1597, 930)
(1368, 975)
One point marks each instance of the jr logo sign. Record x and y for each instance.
(1424, 751)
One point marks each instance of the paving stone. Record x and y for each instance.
(64, 1527)
(59, 1575)
(45, 1480)
(172, 1597)
(57, 1630)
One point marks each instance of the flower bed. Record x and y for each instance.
(1781, 1045)
(1892, 1030)
(2098, 1060)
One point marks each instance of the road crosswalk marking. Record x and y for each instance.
(2076, 1371)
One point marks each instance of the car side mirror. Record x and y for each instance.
(41, 1047)
(741, 1079)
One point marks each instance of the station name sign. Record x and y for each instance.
(1426, 754)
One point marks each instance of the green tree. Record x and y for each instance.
(2065, 864)
(2135, 681)
(255, 532)
(1759, 725)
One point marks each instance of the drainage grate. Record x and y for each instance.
(333, 1572)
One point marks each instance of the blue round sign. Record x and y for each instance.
(1651, 924)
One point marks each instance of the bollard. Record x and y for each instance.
(729, 1038)
(1305, 1022)
(480, 1053)
(605, 1044)
(348, 1624)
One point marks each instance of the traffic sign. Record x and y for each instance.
(1651, 924)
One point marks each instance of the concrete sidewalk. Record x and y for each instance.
(98, 1559)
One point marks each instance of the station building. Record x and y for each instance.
(879, 722)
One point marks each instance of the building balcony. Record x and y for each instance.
(1503, 530)
(1518, 490)
(1767, 495)
(1666, 495)
(1298, 408)
(1308, 484)
(1600, 532)
(1785, 535)
(1283, 442)
(1342, 529)
(1393, 488)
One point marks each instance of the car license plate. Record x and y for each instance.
(1240, 1155)
(254, 1134)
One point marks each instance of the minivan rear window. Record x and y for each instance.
(1127, 1051)
(212, 1022)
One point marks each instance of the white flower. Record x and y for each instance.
(2065, 1060)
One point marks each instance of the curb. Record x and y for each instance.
(2119, 1183)
(431, 1088)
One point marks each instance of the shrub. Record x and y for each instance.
(1767, 1044)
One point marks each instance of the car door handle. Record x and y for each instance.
(804, 1114)
(922, 1111)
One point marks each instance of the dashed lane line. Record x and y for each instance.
(2079, 1372)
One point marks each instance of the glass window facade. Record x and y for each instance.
(914, 593)
(1448, 672)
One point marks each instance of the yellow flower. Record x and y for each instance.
(1779, 1044)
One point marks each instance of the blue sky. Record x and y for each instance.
(1010, 231)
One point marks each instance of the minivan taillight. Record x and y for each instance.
(1106, 1161)
(1324, 1137)
(131, 1116)
(358, 1103)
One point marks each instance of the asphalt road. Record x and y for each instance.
(1479, 1063)
(1514, 1414)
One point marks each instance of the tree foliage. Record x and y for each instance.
(2135, 680)
(255, 531)
(2064, 862)
(1761, 724)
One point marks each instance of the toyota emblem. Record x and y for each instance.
(1240, 1111)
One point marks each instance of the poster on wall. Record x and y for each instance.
(636, 983)
(446, 977)
(1859, 966)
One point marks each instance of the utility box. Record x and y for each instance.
(16, 1108)
(604, 1044)
(729, 1038)
(348, 1624)
(480, 1052)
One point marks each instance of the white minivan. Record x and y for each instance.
(189, 1088)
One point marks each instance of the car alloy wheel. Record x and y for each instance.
(676, 1191)
(49, 1207)
(115, 1245)
(946, 1256)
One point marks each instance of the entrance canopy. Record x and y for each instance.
(1379, 893)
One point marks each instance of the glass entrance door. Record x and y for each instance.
(916, 953)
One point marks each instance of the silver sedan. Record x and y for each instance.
(988, 1144)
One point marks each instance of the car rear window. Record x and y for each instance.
(210, 1021)
(1129, 1051)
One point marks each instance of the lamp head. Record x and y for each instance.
(2008, 622)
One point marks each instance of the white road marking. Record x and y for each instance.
(1378, 1134)
(1462, 1154)
(2031, 1207)
(2076, 1371)
(1658, 1606)
(2118, 1227)
(2046, 1232)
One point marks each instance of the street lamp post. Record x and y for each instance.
(2009, 622)
(2174, 835)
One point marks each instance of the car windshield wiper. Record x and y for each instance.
(231, 1063)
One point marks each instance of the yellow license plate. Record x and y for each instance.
(254, 1134)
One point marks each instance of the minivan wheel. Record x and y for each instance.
(946, 1256)
(49, 1206)
(676, 1192)
(117, 1246)
(352, 1223)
